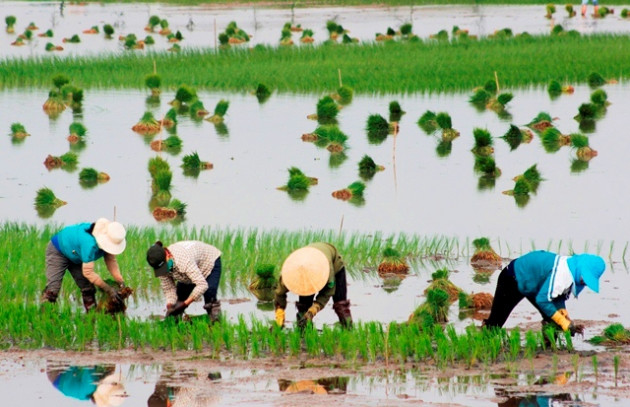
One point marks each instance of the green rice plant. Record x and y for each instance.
(108, 30)
(377, 128)
(580, 143)
(262, 93)
(368, 168)
(28, 34)
(153, 22)
(10, 22)
(153, 82)
(345, 94)
(164, 28)
(46, 197)
(393, 263)
(616, 367)
(298, 184)
(74, 39)
(624, 12)
(162, 180)
(173, 144)
(197, 110)
(157, 164)
(47, 34)
(486, 165)
(551, 9)
(192, 164)
(77, 129)
(285, 36)
(554, 89)
(89, 177)
(515, 137)
(219, 111)
(327, 110)
(599, 98)
(595, 80)
(483, 142)
(480, 97)
(552, 139)
(595, 367)
(428, 122)
(265, 277)
(395, 111)
(59, 80)
(557, 30)
(147, 125)
(149, 40)
(18, 131)
(184, 96)
(307, 35)
(532, 177)
(612, 334)
(50, 47)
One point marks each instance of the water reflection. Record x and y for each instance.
(326, 385)
(540, 400)
(101, 384)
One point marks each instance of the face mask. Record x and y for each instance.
(169, 263)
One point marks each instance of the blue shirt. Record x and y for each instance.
(78, 244)
(533, 275)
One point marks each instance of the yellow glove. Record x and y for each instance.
(564, 313)
(559, 318)
(314, 309)
(280, 316)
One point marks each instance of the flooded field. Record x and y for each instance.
(200, 25)
(420, 191)
(52, 381)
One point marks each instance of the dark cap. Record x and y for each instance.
(156, 257)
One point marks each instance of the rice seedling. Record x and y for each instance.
(344, 95)
(147, 126)
(149, 40)
(570, 11)
(603, 11)
(67, 161)
(439, 279)
(174, 210)
(541, 122)
(624, 13)
(92, 30)
(18, 131)
(172, 144)
(262, 93)
(483, 142)
(484, 256)
(197, 110)
(334, 29)
(234, 34)
(46, 202)
(10, 22)
(153, 22)
(551, 9)
(74, 39)
(595, 80)
(52, 47)
(427, 122)
(298, 184)
(368, 168)
(595, 367)
(157, 164)
(354, 190)
(108, 30)
(307, 36)
(393, 263)
(532, 179)
(54, 105)
(184, 96)
(486, 165)
(46, 34)
(612, 334)
(164, 27)
(582, 150)
(433, 310)
(616, 367)
(89, 177)
(327, 110)
(219, 111)
(444, 122)
(153, 82)
(599, 98)
(285, 35)
(552, 140)
(264, 283)
(329, 137)
(516, 136)
(192, 164)
(378, 128)
(77, 132)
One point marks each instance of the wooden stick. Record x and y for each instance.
(496, 79)
(341, 226)
(339, 73)
(114, 213)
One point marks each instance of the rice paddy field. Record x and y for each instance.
(444, 173)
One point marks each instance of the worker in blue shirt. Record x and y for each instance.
(547, 280)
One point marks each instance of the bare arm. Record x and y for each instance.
(112, 266)
(88, 272)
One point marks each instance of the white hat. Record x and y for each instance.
(305, 271)
(110, 392)
(110, 236)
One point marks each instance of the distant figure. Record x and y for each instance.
(546, 280)
(595, 7)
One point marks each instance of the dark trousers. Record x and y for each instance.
(341, 292)
(183, 289)
(506, 297)
(56, 266)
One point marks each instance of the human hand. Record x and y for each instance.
(175, 310)
(280, 314)
(303, 322)
(122, 285)
(115, 295)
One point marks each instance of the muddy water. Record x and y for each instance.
(419, 192)
(201, 25)
(51, 382)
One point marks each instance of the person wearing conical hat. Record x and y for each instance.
(315, 273)
(75, 248)
(547, 280)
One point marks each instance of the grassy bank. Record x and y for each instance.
(425, 66)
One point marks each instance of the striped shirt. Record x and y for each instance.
(192, 264)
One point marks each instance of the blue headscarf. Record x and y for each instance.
(586, 268)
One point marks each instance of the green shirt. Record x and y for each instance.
(336, 265)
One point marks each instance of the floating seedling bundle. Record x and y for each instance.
(552, 139)
(153, 82)
(368, 168)
(393, 263)
(541, 122)
(18, 131)
(440, 280)
(265, 282)
(327, 110)
(46, 202)
(193, 165)
(172, 144)
(219, 111)
(89, 177)
(68, 161)
(354, 192)
(148, 125)
(524, 184)
(483, 142)
(516, 136)
(614, 334)
(583, 151)
(484, 256)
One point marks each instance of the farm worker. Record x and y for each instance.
(187, 270)
(595, 8)
(75, 248)
(100, 384)
(546, 280)
(314, 269)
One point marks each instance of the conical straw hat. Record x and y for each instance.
(305, 271)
